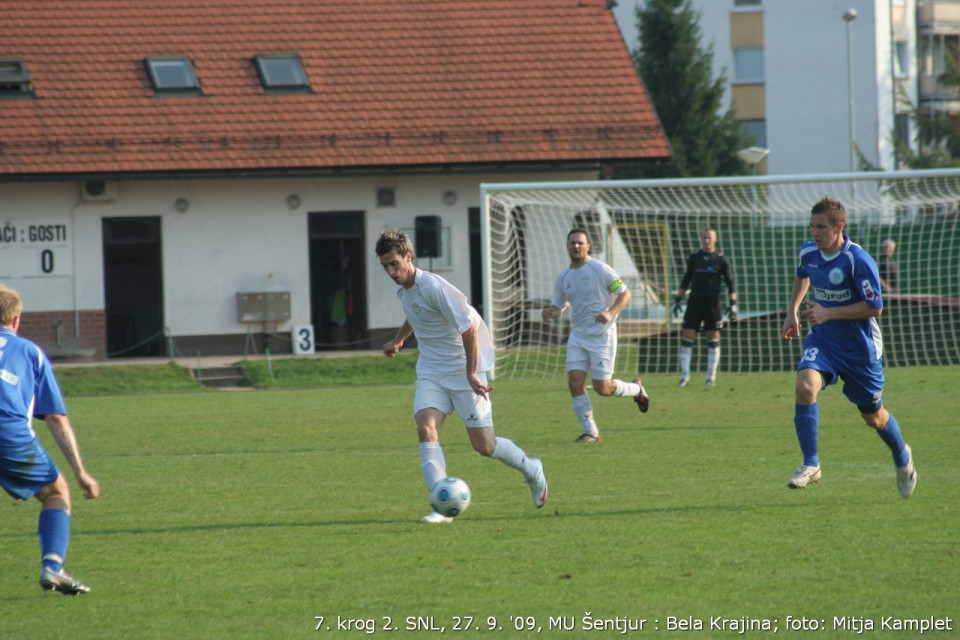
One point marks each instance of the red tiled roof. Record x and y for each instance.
(395, 82)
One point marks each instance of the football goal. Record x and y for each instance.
(645, 229)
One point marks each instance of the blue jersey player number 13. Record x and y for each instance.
(843, 343)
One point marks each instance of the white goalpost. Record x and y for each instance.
(645, 229)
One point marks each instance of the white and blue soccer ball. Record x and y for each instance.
(450, 496)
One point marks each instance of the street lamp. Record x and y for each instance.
(753, 156)
(849, 16)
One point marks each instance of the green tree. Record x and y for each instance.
(678, 77)
(936, 131)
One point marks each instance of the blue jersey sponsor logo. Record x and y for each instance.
(832, 295)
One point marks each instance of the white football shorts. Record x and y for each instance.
(475, 410)
(596, 354)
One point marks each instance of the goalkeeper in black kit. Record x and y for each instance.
(705, 270)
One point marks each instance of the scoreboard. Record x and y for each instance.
(35, 250)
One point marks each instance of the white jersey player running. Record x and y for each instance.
(455, 355)
(596, 295)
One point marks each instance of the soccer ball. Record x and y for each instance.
(450, 496)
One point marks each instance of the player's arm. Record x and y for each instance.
(728, 280)
(677, 305)
(686, 280)
(619, 304)
(727, 274)
(791, 324)
(66, 440)
(471, 348)
(818, 314)
(393, 347)
(558, 303)
(552, 312)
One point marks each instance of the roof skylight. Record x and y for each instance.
(281, 71)
(172, 74)
(14, 79)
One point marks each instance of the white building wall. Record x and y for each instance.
(236, 236)
(805, 66)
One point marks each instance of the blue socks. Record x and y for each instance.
(54, 530)
(806, 419)
(890, 434)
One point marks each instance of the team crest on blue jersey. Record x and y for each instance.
(867, 289)
(585, 280)
(416, 308)
(836, 276)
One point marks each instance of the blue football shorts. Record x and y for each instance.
(26, 469)
(862, 382)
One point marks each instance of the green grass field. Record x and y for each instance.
(250, 514)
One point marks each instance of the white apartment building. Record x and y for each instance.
(799, 74)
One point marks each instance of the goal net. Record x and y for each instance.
(645, 229)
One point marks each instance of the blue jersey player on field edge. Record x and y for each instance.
(844, 341)
(28, 390)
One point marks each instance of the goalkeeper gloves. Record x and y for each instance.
(677, 306)
(732, 312)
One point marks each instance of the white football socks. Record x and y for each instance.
(713, 359)
(584, 410)
(686, 353)
(432, 464)
(510, 454)
(630, 389)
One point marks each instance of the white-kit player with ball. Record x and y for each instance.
(455, 355)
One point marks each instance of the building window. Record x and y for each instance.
(901, 128)
(933, 51)
(172, 75)
(748, 65)
(282, 72)
(757, 129)
(900, 61)
(14, 79)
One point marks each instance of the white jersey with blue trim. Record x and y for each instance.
(28, 389)
(848, 277)
(439, 314)
(590, 289)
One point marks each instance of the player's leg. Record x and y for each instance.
(692, 319)
(864, 387)
(713, 321)
(582, 405)
(53, 528)
(806, 421)
(432, 462)
(431, 405)
(603, 362)
(29, 472)
(54, 524)
(477, 415)
(687, 339)
(578, 363)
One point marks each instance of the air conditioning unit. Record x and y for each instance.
(99, 191)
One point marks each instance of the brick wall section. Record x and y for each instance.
(41, 327)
